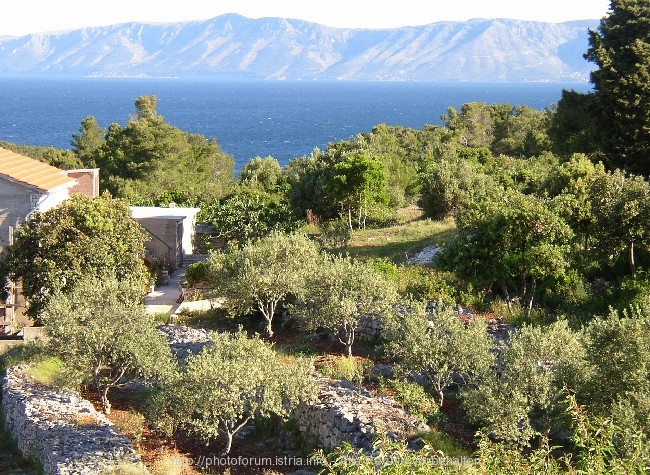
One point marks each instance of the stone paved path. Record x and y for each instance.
(165, 298)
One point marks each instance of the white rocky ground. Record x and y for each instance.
(424, 256)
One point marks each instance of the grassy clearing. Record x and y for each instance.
(395, 242)
(41, 365)
(445, 443)
(25, 353)
(346, 368)
(48, 371)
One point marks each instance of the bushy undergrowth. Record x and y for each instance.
(346, 368)
(597, 452)
(415, 399)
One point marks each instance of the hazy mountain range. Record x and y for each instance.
(232, 46)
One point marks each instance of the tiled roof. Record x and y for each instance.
(30, 172)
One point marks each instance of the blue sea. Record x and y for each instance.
(282, 119)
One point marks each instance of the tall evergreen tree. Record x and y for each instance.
(149, 160)
(87, 142)
(621, 50)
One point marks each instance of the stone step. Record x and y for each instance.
(191, 259)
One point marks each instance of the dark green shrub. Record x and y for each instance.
(415, 399)
(197, 273)
(426, 283)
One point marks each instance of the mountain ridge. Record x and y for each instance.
(233, 46)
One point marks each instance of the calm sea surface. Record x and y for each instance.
(283, 119)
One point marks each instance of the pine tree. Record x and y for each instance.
(621, 49)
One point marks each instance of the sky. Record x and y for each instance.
(21, 17)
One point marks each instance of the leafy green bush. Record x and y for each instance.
(447, 186)
(596, 453)
(385, 267)
(634, 290)
(198, 273)
(569, 293)
(426, 283)
(617, 351)
(390, 458)
(335, 233)
(157, 266)
(521, 398)
(414, 398)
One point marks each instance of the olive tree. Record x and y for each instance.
(228, 384)
(618, 386)
(438, 344)
(523, 397)
(263, 273)
(341, 292)
(105, 335)
(618, 353)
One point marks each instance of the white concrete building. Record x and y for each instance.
(172, 231)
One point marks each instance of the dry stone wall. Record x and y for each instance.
(62, 431)
(342, 412)
(346, 413)
(185, 341)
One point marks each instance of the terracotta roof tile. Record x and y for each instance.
(30, 172)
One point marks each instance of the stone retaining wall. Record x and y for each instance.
(369, 328)
(343, 412)
(346, 413)
(62, 431)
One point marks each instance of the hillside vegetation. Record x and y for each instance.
(522, 340)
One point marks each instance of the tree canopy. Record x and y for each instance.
(341, 292)
(616, 116)
(438, 344)
(263, 273)
(509, 240)
(80, 237)
(148, 157)
(231, 382)
(104, 334)
(621, 50)
(357, 182)
(522, 396)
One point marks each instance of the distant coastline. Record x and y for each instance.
(238, 48)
